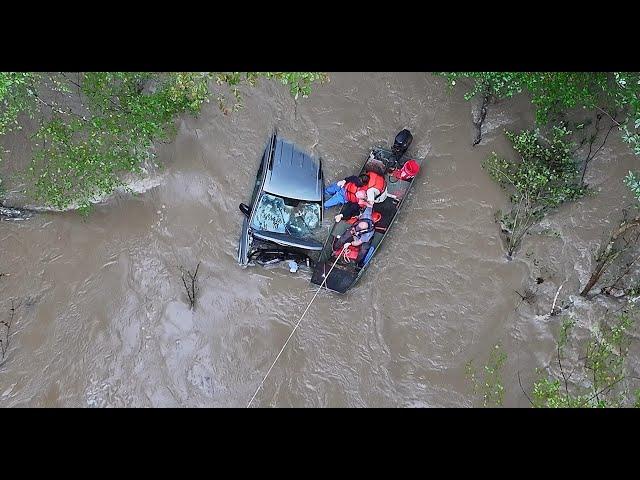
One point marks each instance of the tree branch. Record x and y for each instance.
(608, 387)
(4, 343)
(523, 391)
(190, 287)
(566, 383)
(591, 157)
(119, 107)
(608, 254)
(625, 272)
(609, 115)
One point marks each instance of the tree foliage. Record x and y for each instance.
(95, 126)
(541, 177)
(599, 378)
(553, 93)
(488, 383)
(14, 98)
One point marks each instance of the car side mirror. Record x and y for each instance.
(244, 209)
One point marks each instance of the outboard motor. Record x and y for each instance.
(400, 146)
(401, 143)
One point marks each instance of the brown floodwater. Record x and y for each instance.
(102, 319)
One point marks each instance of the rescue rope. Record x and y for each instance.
(294, 328)
(344, 253)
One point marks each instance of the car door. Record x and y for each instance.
(245, 235)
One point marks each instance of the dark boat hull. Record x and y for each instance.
(346, 274)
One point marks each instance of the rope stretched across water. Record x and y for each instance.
(294, 328)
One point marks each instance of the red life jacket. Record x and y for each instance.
(350, 190)
(351, 252)
(376, 181)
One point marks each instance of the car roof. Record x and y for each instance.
(293, 173)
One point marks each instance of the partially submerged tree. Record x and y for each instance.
(621, 244)
(553, 93)
(189, 280)
(488, 382)
(5, 331)
(618, 255)
(598, 376)
(584, 374)
(95, 126)
(542, 177)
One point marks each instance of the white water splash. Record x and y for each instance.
(137, 186)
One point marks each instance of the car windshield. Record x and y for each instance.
(293, 217)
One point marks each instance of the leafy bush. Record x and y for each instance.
(599, 383)
(544, 176)
(633, 182)
(96, 126)
(556, 92)
(489, 386)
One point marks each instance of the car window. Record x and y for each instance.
(293, 217)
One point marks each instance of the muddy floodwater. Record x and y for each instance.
(103, 320)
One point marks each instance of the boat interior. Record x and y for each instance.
(346, 271)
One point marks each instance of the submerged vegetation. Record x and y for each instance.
(554, 93)
(87, 129)
(543, 177)
(546, 174)
(589, 372)
(598, 377)
(488, 382)
(615, 259)
(615, 95)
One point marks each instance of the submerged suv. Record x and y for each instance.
(283, 220)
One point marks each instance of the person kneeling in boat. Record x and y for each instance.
(358, 236)
(376, 188)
